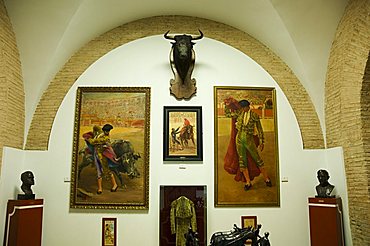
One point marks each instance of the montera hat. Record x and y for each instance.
(107, 127)
(244, 103)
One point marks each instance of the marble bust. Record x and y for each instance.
(324, 188)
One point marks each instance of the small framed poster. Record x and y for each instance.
(182, 136)
(249, 221)
(109, 232)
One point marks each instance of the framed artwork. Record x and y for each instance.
(249, 221)
(182, 135)
(110, 162)
(182, 207)
(109, 232)
(246, 147)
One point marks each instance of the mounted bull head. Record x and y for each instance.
(182, 59)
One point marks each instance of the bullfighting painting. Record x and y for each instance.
(182, 133)
(246, 149)
(110, 160)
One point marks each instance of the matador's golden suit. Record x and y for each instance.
(182, 217)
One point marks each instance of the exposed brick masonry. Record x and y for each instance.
(347, 111)
(38, 135)
(11, 87)
(347, 90)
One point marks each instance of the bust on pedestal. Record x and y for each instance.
(324, 189)
(27, 181)
(325, 213)
(23, 220)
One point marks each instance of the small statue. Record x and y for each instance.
(191, 238)
(27, 181)
(264, 241)
(256, 235)
(324, 189)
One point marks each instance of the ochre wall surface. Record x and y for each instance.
(11, 87)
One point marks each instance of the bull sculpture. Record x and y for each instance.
(238, 237)
(182, 60)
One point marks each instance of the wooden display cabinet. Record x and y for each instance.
(326, 221)
(23, 226)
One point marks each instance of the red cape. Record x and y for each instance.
(231, 160)
(108, 152)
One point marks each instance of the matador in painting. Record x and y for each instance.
(246, 141)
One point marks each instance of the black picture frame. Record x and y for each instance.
(182, 143)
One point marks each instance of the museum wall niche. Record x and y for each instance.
(125, 67)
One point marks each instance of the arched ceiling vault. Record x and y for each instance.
(49, 32)
(52, 97)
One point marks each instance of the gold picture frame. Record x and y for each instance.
(113, 174)
(246, 147)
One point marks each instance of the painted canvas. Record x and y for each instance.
(246, 149)
(110, 164)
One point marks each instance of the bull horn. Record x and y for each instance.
(199, 36)
(171, 37)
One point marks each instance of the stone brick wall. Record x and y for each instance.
(347, 103)
(11, 87)
(40, 128)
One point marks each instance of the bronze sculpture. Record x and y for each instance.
(324, 189)
(28, 180)
(182, 60)
(238, 236)
(191, 238)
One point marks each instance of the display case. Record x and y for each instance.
(23, 223)
(181, 206)
(326, 221)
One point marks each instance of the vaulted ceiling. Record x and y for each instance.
(48, 32)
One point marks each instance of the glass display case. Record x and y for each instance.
(182, 207)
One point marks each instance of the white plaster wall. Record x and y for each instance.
(10, 180)
(145, 62)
